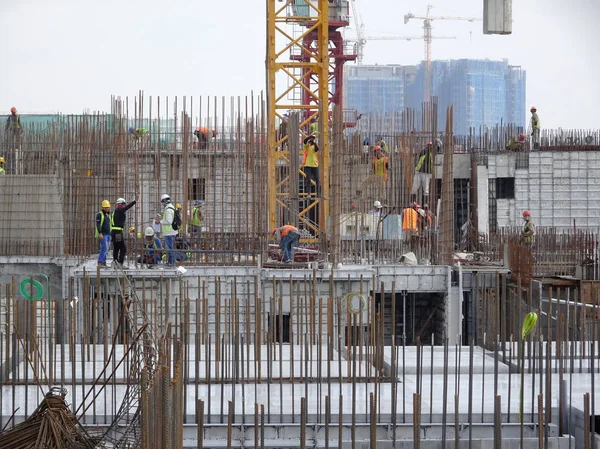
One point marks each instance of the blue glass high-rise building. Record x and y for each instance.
(482, 92)
(374, 88)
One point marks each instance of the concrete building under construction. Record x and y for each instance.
(412, 313)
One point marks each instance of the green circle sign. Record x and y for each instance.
(35, 286)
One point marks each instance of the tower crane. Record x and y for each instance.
(360, 33)
(427, 19)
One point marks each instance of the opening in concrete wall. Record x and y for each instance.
(279, 327)
(505, 188)
(414, 316)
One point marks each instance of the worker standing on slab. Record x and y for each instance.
(383, 145)
(528, 231)
(14, 121)
(535, 128)
(423, 171)
(310, 165)
(167, 232)
(2, 171)
(288, 237)
(196, 220)
(378, 177)
(103, 232)
(117, 225)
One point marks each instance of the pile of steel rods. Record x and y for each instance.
(52, 425)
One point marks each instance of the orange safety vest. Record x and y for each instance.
(286, 229)
(409, 219)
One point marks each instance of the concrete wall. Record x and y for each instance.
(557, 187)
(32, 215)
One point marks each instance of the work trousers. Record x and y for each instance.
(169, 245)
(287, 244)
(312, 174)
(421, 180)
(104, 244)
(119, 248)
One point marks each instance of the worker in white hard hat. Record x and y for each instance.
(2, 171)
(167, 231)
(423, 171)
(152, 248)
(117, 226)
(102, 231)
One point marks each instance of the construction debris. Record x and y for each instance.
(51, 425)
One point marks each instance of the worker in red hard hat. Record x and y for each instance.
(528, 230)
(14, 121)
(535, 128)
(516, 143)
(203, 134)
(288, 237)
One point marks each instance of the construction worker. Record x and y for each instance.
(282, 134)
(535, 128)
(310, 165)
(381, 143)
(2, 171)
(410, 224)
(102, 231)
(197, 218)
(203, 135)
(379, 175)
(516, 143)
(117, 225)
(528, 231)
(167, 231)
(366, 145)
(288, 237)
(423, 171)
(182, 247)
(13, 122)
(138, 132)
(151, 249)
(156, 225)
(313, 128)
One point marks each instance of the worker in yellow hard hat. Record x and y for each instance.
(103, 232)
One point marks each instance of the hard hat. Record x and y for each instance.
(121, 201)
(416, 206)
(421, 212)
(178, 206)
(2, 159)
(105, 203)
(131, 228)
(377, 204)
(149, 232)
(527, 214)
(533, 108)
(165, 197)
(131, 129)
(429, 143)
(13, 110)
(522, 136)
(376, 148)
(198, 202)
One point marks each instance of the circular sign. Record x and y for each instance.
(356, 302)
(35, 286)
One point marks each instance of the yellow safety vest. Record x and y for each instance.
(112, 223)
(527, 228)
(168, 227)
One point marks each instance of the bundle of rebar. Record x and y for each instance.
(52, 425)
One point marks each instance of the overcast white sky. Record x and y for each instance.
(71, 55)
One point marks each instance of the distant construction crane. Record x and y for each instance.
(427, 36)
(361, 39)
